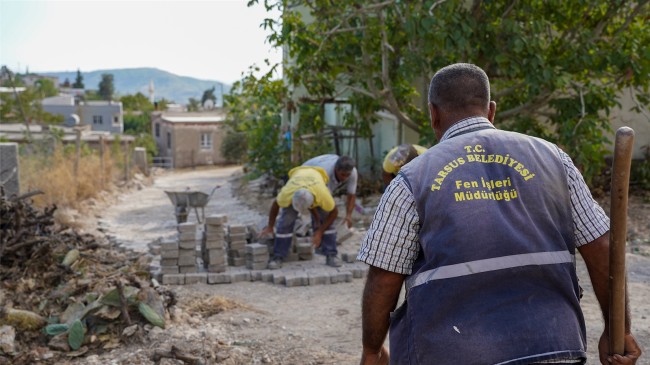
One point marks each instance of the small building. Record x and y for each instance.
(189, 139)
(17, 132)
(100, 115)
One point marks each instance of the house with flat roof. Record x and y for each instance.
(100, 115)
(189, 139)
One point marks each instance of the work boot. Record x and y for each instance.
(275, 263)
(333, 261)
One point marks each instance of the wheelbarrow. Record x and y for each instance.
(185, 200)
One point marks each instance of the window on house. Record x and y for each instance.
(169, 140)
(157, 127)
(206, 141)
(116, 120)
(97, 119)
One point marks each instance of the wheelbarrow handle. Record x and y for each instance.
(212, 192)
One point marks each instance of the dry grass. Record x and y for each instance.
(207, 307)
(54, 174)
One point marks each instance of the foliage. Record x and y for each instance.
(25, 106)
(208, 95)
(106, 87)
(79, 81)
(137, 102)
(136, 123)
(233, 147)
(255, 107)
(193, 105)
(147, 141)
(556, 67)
(46, 88)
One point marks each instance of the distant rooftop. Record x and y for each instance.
(207, 117)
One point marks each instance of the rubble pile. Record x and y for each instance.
(64, 294)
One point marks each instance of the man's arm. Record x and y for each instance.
(380, 297)
(596, 256)
(318, 233)
(273, 213)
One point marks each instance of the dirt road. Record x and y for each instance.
(274, 324)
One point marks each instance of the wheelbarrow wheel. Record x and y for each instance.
(181, 214)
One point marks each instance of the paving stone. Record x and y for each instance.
(216, 257)
(241, 276)
(348, 257)
(238, 245)
(345, 274)
(296, 279)
(187, 269)
(216, 268)
(215, 245)
(169, 254)
(187, 245)
(278, 277)
(221, 278)
(267, 276)
(187, 260)
(216, 219)
(169, 244)
(189, 235)
(256, 265)
(196, 278)
(318, 278)
(169, 262)
(236, 229)
(256, 275)
(183, 252)
(256, 248)
(169, 269)
(186, 227)
(342, 233)
(173, 279)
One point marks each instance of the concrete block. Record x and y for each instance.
(236, 229)
(345, 274)
(241, 276)
(169, 269)
(187, 269)
(216, 257)
(296, 279)
(187, 245)
(186, 227)
(256, 265)
(348, 257)
(169, 262)
(256, 248)
(184, 252)
(168, 244)
(359, 270)
(220, 278)
(216, 244)
(267, 276)
(236, 261)
(305, 256)
(278, 278)
(216, 219)
(173, 279)
(256, 275)
(237, 237)
(260, 257)
(238, 245)
(169, 254)
(186, 260)
(196, 278)
(216, 268)
(187, 236)
(318, 278)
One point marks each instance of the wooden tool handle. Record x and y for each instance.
(617, 237)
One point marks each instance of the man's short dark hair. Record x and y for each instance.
(345, 164)
(460, 86)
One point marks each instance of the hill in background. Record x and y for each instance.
(133, 80)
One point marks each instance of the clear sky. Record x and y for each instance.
(209, 39)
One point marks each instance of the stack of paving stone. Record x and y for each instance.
(169, 256)
(237, 245)
(304, 248)
(187, 248)
(213, 245)
(257, 256)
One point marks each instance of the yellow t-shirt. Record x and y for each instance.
(311, 178)
(392, 169)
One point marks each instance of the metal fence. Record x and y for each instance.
(163, 162)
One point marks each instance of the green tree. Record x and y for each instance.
(106, 87)
(79, 81)
(46, 88)
(137, 102)
(193, 105)
(255, 108)
(556, 67)
(209, 95)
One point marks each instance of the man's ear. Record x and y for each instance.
(492, 111)
(433, 115)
